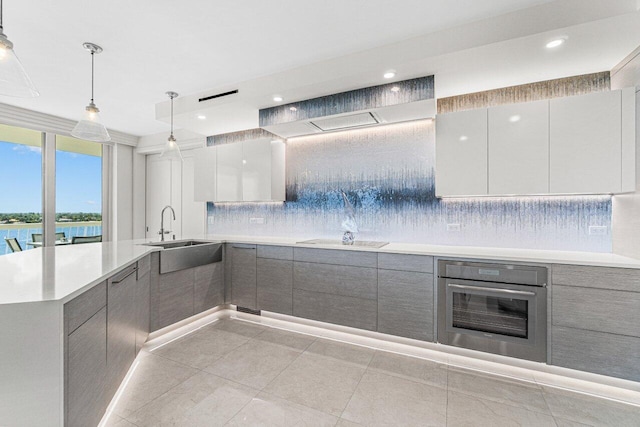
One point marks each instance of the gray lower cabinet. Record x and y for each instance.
(121, 326)
(142, 301)
(405, 304)
(243, 276)
(173, 299)
(594, 320)
(85, 362)
(344, 294)
(208, 287)
(275, 285)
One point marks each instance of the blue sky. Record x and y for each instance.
(78, 180)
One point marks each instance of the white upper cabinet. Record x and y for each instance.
(519, 149)
(461, 153)
(575, 145)
(586, 143)
(205, 166)
(229, 173)
(249, 171)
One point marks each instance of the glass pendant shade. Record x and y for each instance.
(90, 128)
(171, 150)
(14, 80)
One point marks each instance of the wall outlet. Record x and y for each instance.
(453, 227)
(256, 220)
(597, 230)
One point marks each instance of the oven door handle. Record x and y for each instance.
(497, 290)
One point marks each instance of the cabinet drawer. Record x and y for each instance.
(174, 300)
(601, 310)
(275, 285)
(405, 304)
(358, 282)
(597, 352)
(275, 252)
(348, 311)
(144, 266)
(336, 256)
(621, 279)
(81, 308)
(419, 263)
(243, 275)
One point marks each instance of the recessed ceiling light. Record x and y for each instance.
(389, 74)
(201, 117)
(555, 43)
(464, 138)
(278, 98)
(293, 109)
(514, 118)
(395, 89)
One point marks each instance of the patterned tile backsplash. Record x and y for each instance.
(387, 173)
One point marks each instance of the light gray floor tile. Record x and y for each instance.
(116, 421)
(408, 367)
(466, 410)
(285, 338)
(201, 348)
(347, 423)
(318, 382)
(498, 389)
(153, 377)
(590, 410)
(382, 399)
(561, 422)
(202, 400)
(269, 410)
(255, 363)
(342, 351)
(239, 327)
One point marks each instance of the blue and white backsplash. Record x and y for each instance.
(387, 173)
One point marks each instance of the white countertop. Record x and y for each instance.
(62, 272)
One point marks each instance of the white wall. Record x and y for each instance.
(626, 207)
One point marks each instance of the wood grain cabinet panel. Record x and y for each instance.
(405, 304)
(597, 352)
(360, 282)
(403, 262)
(275, 285)
(621, 279)
(174, 298)
(602, 310)
(275, 252)
(243, 276)
(142, 306)
(81, 308)
(208, 288)
(342, 310)
(336, 256)
(86, 372)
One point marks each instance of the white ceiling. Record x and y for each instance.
(299, 49)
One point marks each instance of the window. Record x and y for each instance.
(78, 188)
(20, 186)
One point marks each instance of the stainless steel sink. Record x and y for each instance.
(182, 254)
(336, 242)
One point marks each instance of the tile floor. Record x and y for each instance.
(233, 372)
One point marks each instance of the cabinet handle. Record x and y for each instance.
(496, 290)
(244, 247)
(121, 279)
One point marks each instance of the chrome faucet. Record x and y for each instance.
(162, 232)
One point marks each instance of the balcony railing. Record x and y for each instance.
(23, 232)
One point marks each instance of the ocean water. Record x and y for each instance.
(24, 235)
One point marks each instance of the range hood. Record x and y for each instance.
(378, 105)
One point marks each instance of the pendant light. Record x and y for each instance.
(171, 151)
(14, 80)
(89, 127)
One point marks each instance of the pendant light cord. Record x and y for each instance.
(92, 53)
(171, 112)
(1, 27)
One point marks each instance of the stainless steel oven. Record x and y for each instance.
(496, 308)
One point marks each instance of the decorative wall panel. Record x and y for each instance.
(569, 86)
(388, 175)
